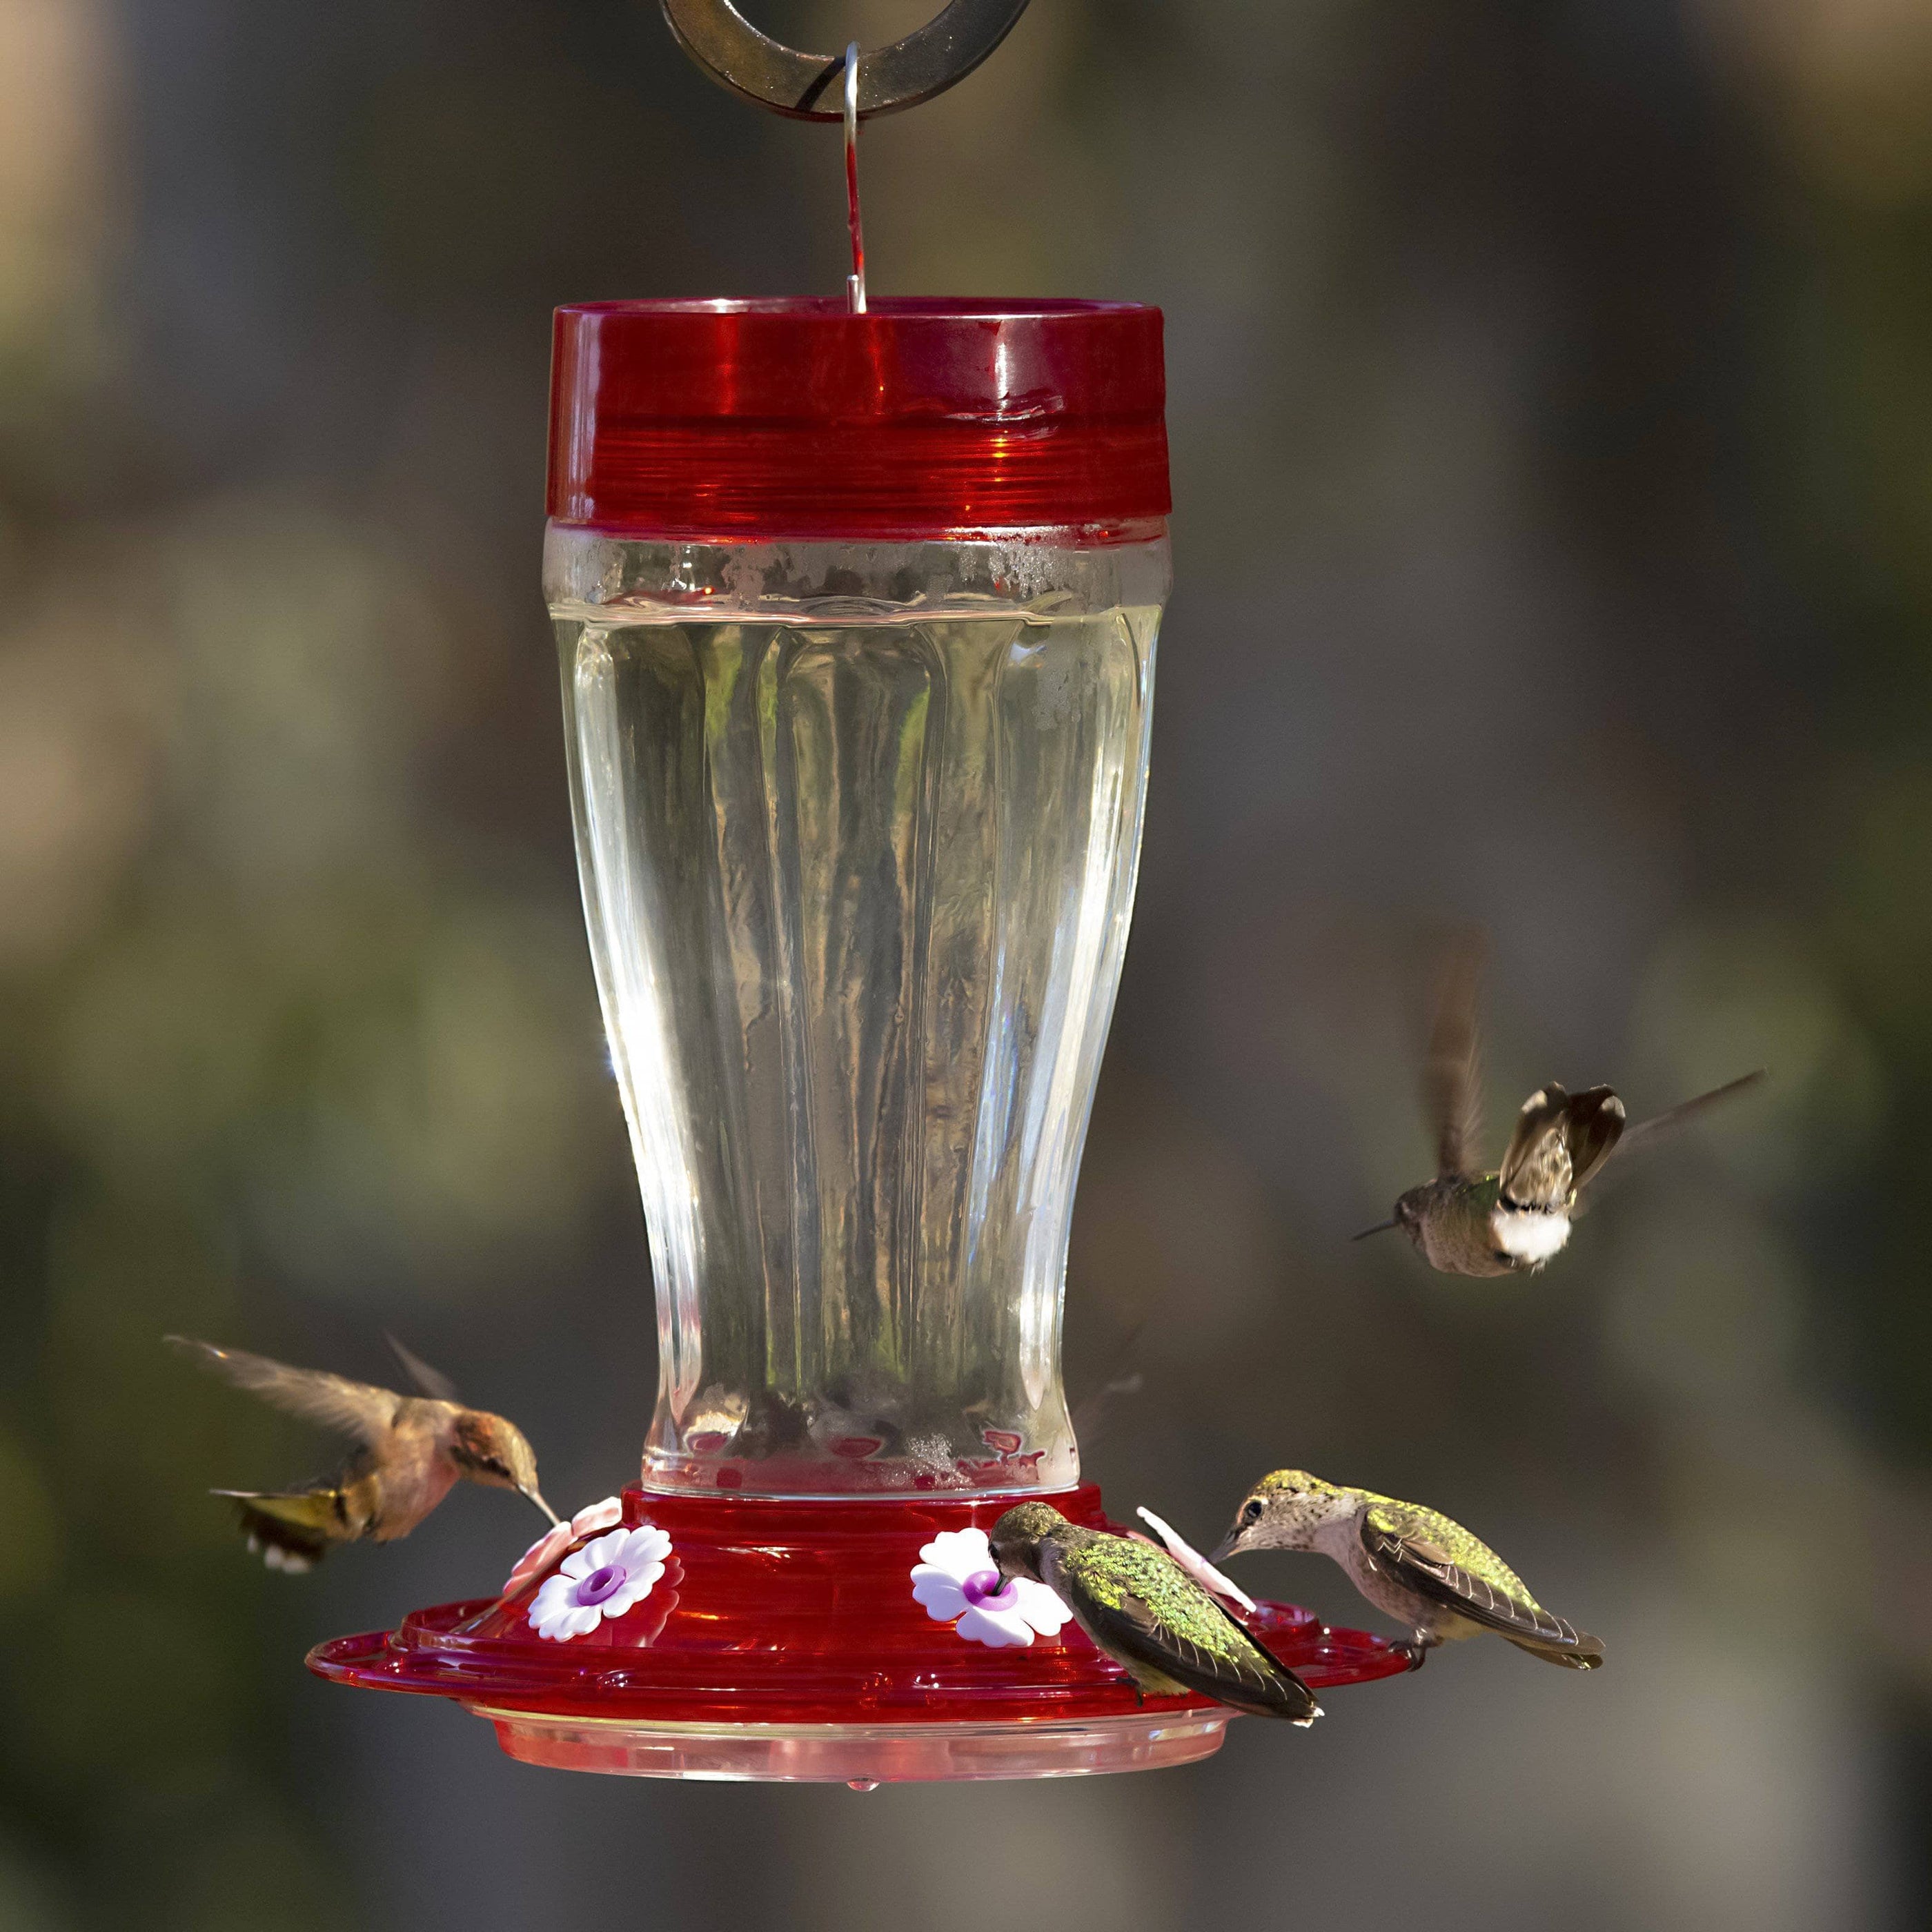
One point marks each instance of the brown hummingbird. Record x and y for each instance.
(414, 1448)
(1512, 1221)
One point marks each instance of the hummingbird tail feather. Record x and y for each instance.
(288, 1532)
(1586, 1654)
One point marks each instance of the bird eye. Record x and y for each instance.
(1251, 1510)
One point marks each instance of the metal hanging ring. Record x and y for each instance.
(805, 86)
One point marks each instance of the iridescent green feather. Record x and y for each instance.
(1111, 1568)
(1140, 1607)
(1414, 1524)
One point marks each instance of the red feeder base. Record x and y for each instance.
(783, 1642)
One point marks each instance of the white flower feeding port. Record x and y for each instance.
(957, 1578)
(606, 1578)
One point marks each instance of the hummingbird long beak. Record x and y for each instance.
(1380, 1228)
(1227, 1547)
(535, 1498)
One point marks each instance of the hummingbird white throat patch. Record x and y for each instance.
(1529, 1233)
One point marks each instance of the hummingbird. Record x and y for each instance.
(1143, 1610)
(1514, 1221)
(1415, 1563)
(414, 1447)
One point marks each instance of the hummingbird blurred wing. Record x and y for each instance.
(1452, 1076)
(1091, 1413)
(1165, 1624)
(1686, 1111)
(356, 1408)
(1398, 1543)
(1122, 1378)
(429, 1381)
(1681, 1115)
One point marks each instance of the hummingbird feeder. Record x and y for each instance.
(856, 605)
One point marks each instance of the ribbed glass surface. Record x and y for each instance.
(857, 868)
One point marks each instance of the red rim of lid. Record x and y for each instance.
(749, 420)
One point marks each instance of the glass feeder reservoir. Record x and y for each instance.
(857, 620)
(856, 616)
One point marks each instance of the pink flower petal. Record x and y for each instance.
(594, 1517)
(539, 1557)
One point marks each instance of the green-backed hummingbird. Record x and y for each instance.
(1148, 1614)
(1416, 1564)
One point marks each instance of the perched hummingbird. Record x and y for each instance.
(1415, 1563)
(414, 1449)
(1147, 1614)
(1468, 1221)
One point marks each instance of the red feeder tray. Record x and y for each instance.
(783, 1642)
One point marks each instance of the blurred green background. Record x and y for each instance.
(1551, 401)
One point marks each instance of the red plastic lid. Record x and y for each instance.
(755, 419)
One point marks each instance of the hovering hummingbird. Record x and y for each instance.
(1468, 1222)
(1415, 1563)
(414, 1449)
(1148, 1614)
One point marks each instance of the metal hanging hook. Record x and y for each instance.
(926, 62)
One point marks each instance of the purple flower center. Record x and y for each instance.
(987, 1589)
(601, 1583)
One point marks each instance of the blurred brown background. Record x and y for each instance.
(1551, 398)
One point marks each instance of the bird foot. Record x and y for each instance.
(1417, 1650)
